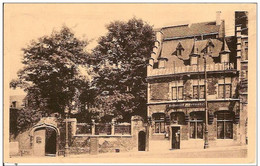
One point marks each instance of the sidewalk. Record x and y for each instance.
(214, 152)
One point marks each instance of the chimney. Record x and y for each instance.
(218, 20)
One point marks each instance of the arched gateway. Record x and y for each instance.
(44, 139)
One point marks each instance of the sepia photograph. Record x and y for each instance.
(130, 83)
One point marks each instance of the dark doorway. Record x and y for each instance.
(176, 137)
(141, 141)
(50, 142)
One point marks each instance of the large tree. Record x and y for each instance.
(120, 61)
(54, 70)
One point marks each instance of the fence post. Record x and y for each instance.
(113, 127)
(93, 127)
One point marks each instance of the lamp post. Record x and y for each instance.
(67, 132)
(206, 142)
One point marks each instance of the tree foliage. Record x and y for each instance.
(120, 61)
(52, 73)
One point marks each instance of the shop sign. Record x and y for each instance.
(186, 105)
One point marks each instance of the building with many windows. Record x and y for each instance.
(179, 94)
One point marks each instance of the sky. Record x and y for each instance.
(25, 22)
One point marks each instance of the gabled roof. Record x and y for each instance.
(169, 48)
(192, 30)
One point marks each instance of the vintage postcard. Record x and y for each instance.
(130, 83)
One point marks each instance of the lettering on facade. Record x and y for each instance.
(185, 105)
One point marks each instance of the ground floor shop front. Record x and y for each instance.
(182, 125)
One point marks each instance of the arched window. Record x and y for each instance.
(159, 122)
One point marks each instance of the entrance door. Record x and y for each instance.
(39, 142)
(175, 137)
(50, 139)
(141, 141)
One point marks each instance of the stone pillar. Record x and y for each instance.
(93, 127)
(93, 146)
(113, 127)
(73, 123)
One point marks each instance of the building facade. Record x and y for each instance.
(191, 67)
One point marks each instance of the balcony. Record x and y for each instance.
(211, 68)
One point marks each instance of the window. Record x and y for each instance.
(179, 49)
(225, 58)
(174, 93)
(209, 49)
(196, 125)
(199, 94)
(159, 120)
(194, 61)
(224, 91)
(177, 93)
(180, 92)
(161, 63)
(202, 92)
(246, 54)
(224, 125)
(195, 92)
(179, 52)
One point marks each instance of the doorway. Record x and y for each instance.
(176, 137)
(45, 141)
(50, 142)
(141, 141)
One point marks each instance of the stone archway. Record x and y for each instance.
(45, 139)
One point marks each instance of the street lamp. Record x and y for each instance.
(206, 142)
(67, 132)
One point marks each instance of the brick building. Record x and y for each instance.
(176, 86)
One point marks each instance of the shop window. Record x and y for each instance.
(177, 93)
(224, 91)
(159, 120)
(196, 125)
(224, 126)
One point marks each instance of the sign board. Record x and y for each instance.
(186, 105)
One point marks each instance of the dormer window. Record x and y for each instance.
(224, 58)
(209, 47)
(179, 49)
(193, 60)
